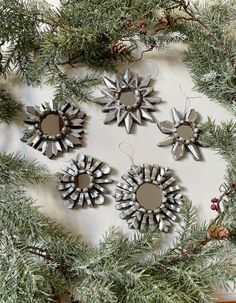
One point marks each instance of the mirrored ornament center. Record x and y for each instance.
(185, 131)
(82, 181)
(149, 196)
(127, 98)
(52, 124)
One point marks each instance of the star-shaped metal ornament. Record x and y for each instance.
(53, 129)
(82, 183)
(128, 100)
(184, 134)
(149, 198)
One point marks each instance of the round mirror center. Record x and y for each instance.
(82, 181)
(149, 196)
(127, 98)
(52, 124)
(185, 131)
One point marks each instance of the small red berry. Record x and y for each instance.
(142, 24)
(214, 200)
(214, 207)
(129, 23)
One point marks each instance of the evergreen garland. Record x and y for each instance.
(40, 262)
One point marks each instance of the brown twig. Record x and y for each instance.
(193, 246)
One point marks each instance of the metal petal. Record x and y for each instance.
(110, 106)
(171, 189)
(152, 99)
(144, 223)
(108, 94)
(80, 157)
(148, 105)
(49, 152)
(69, 204)
(73, 139)
(169, 214)
(65, 145)
(44, 146)
(103, 181)
(109, 83)
(68, 142)
(136, 115)
(88, 199)
(147, 172)
(127, 212)
(202, 143)
(58, 145)
(164, 225)
(97, 174)
(52, 104)
(54, 149)
(66, 178)
(75, 195)
(31, 140)
(178, 150)
(191, 116)
(110, 117)
(77, 122)
(128, 76)
(68, 192)
(121, 114)
(133, 223)
(65, 107)
(99, 200)
(167, 141)
(194, 151)
(155, 170)
(100, 188)
(146, 91)
(32, 110)
(176, 115)
(81, 200)
(168, 182)
(146, 115)
(95, 165)
(166, 127)
(128, 123)
(105, 169)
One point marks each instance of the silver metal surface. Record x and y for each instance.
(151, 200)
(53, 129)
(128, 100)
(83, 182)
(183, 134)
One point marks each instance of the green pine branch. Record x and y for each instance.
(15, 169)
(9, 107)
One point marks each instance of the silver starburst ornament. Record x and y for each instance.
(184, 134)
(83, 182)
(52, 129)
(148, 198)
(128, 99)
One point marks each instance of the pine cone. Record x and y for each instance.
(119, 47)
(218, 232)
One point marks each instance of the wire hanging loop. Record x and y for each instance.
(128, 151)
(187, 99)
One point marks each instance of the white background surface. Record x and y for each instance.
(200, 180)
